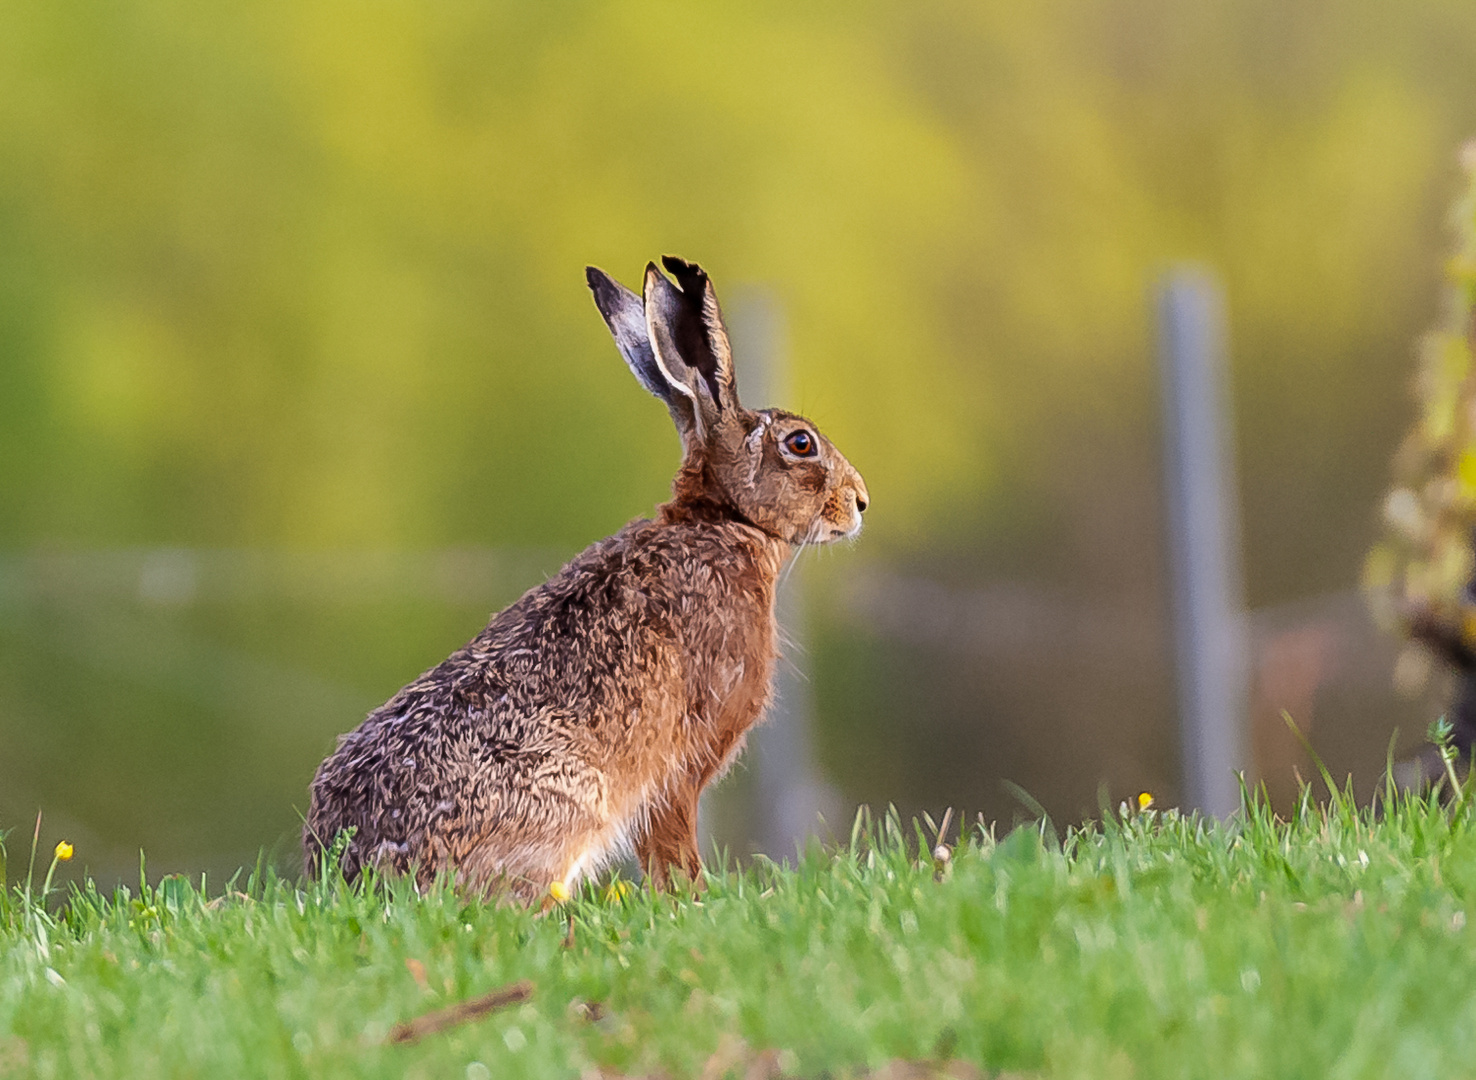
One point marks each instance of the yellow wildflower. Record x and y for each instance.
(617, 890)
(559, 891)
(64, 850)
(1145, 800)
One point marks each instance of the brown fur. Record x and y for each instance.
(587, 717)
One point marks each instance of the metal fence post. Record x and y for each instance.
(1204, 539)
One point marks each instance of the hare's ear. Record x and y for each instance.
(714, 355)
(685, 328)
(625, 315)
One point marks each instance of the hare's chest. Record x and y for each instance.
(739, 690)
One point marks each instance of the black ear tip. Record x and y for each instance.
(679, 266)
(606, 292)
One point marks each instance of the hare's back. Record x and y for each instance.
(550, 675)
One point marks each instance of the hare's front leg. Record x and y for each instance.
(670, 840)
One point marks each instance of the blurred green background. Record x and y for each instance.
(299, 378)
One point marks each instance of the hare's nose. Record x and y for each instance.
(861, 501)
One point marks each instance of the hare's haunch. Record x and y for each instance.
(586, 718)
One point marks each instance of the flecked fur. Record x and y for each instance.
(586, 719)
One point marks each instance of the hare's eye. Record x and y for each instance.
(800, 444)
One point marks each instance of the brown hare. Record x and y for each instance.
(586, 719)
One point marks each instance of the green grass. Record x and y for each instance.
(1338, 944)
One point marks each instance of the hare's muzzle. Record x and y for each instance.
(853, 501)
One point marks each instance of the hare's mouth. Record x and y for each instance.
(827, 532)
(839, 518)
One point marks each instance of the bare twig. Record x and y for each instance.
(461, 1012)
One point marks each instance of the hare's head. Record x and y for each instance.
(770, 468)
